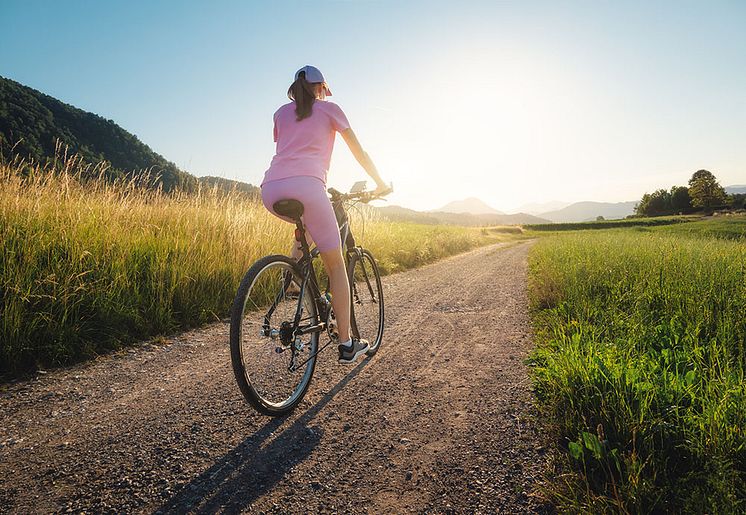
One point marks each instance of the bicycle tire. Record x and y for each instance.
(249, 385)
(372, 327)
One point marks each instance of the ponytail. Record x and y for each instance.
(301, 91)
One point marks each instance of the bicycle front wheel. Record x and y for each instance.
(366, 293)
(272, 366)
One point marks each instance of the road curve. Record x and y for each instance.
(440, 420)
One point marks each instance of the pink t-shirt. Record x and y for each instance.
(305, 147)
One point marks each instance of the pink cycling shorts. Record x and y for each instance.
(318, 214)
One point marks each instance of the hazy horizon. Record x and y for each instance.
(513, 103)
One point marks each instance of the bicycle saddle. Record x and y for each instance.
(288, 207)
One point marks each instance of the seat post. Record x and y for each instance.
(300, 237)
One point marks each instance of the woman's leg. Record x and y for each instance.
(340, 290)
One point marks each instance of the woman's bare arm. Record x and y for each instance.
(363, 158)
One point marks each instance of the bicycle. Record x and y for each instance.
(280, 312)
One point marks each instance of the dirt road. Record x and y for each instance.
(440, 420)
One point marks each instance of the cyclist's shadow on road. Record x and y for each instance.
(249, 470)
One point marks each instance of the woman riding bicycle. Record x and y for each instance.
(304, 131)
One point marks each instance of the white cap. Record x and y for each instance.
(314, 76)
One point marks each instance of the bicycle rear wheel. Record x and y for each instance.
(366, 292)
(273, 369)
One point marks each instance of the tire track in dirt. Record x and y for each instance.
(440, 420)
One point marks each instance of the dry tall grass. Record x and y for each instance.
(88, 264)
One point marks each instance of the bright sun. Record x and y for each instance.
(488, 131)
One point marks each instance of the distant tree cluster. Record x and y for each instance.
(32, 124)
(738, 201)
(704, 193)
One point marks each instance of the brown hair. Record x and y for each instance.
(301, 92)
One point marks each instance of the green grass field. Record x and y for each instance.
(723, 227)
(640, 365)
(610, 224)
(87, 268)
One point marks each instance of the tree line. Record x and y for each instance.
(703, 194)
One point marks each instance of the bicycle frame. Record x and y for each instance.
(308, 254)
(310, 280)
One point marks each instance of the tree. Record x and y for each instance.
(680, 199)
(600, 218)
(705, 191)
(642, 206)
(738, 200)
(657, 203)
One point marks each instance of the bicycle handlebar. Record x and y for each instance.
(362, 196)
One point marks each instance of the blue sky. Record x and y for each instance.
(513, 102)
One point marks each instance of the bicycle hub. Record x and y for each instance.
(286, 333)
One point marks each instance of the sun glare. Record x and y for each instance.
(491, 131)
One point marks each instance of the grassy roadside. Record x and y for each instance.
(86, 268)
(640, 365)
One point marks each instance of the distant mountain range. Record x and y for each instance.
(577, 212)
(473, 211)
(470, 205)
(402, 214)
(585, 211)
(542, 207)
(732, 190)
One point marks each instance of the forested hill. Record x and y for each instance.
(33, 122)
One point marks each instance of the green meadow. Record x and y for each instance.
(88, 266)
(640, 362)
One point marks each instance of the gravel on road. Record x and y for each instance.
(442, 419)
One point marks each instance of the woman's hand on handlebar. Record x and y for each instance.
(362, 196)
(382, 190)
